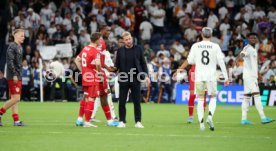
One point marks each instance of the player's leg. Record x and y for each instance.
(15, 91)
(205, 100)
(191, 104)
(96, 108)
(136, 97)
(200, 88)
(247, 98)
(245, 108)
(15, 116)
(111, 106)
(259, 107)
(124, 89)
(212, 91)
(79, 121)
(89, 107)
(105, 106)
(191, 101)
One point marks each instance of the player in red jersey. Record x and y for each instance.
(93, 81)
(105, 61)
(192, 97)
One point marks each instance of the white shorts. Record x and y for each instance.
(250, 85)
(210, 86)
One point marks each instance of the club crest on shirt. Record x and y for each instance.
(17, 89)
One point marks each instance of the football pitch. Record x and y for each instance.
(51, 127)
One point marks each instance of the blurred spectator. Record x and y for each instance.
(146, 30)
(163, 51)
(212, 21)
(84, 38)
(190, 34)
(165, 72)
(178, 47)
(229, 57)
(270, 72)
(158, 18)
(34, 19)
(153, 68)
(148, 51)
(58, 36)
(93, 24)
(224, 26)
(198, 18)
(51, 30)
(46, 13)
(67, 22)
(176, 55)
(272, 14)
(26, 81)
(28, 54)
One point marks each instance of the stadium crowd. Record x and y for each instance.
(166, 29)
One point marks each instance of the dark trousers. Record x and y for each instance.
(136, 98)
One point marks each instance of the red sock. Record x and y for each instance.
(15, 117)
(2, 111)
(191, 104)
(89, 107)
(81, 111)
(107, 112)
(205, 100)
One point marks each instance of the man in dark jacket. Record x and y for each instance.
(132, 67)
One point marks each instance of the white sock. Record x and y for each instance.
(200, 110)
(245, 106)
(259, 106)
(111, 106)
(212, 107)
(96, 107)
(80, 119)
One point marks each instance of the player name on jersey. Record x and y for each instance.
(205, 46)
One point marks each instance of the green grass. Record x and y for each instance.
(51, 127)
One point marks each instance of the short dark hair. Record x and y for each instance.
(103, 27)
(95, 36)
(252, 34)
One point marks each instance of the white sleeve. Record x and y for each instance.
(220, 60)
(191, 56)
(244, 52)
(108, 60)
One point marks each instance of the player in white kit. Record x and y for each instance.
(250, 77)
(206, 55)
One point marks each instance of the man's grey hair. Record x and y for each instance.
(207, 32)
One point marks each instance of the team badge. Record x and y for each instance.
(17, 89)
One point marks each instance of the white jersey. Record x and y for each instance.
(206, 55)
(250, 65)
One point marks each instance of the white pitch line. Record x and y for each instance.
(149, 135)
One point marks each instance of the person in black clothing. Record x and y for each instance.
(14, 75)
(130, 60)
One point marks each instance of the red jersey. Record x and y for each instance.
(88, 56)
(101, 48)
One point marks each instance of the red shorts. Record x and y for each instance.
(192, 80)
(103, 88)
(91, 91)
(15, 88)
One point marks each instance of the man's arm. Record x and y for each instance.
(143, 61)
(117, 62)
(78, 62)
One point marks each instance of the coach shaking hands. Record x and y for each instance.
(132, 69)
